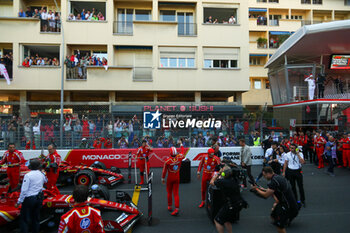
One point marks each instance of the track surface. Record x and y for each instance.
(327, 210)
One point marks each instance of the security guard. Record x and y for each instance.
(31, 197)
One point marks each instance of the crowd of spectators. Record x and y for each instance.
(211, 20)
(50, 21)
(87, 15)
(40, 61)
(76, 64)
(7, 61)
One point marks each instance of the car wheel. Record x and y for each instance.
(98, 164)
(85, 177)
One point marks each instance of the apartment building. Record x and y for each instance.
(158, 53)
(270, 23)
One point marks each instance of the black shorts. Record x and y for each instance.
(280, 216)
(226, 214)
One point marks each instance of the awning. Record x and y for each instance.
(258, 55)
(279, 33)
(331, 38)
(133, 47)
(258, 9)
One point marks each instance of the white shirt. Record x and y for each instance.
(51, 17)
(36, 129)
(268, 152)
(293, 160)
(44, 15)
(281, 158)
(33, 183)
(311, 82)
(232, 20)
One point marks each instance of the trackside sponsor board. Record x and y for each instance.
(120, 157)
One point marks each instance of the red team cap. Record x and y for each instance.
(211, 151)
(173, 151)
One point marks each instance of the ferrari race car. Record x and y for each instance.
(80, 174)
(117, 216)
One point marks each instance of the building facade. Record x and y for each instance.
(270, 23)
(158, 52)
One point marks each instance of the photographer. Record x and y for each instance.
(292, 171)
(285, 208)
(228, 184)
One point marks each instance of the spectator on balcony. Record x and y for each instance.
(52, 21)
(83, 13)
(209, 19)
(25, 63)
(58, 21)
(98, 62)
(78, 17)
(100, 16)
(21, 13)
(94, 18)
(88, 16)
(55, 62)
(104, 62)
(71, 17)
(44, 20)
(215, 21)
(29, 13)
(27, 131)
(68, 68)
(83, 63)
(36, 14)
(92, 128)
(232, 20)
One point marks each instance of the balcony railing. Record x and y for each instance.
(274, 22)
(50, 26)
(187, 29)
(123, 27)
(142, 74)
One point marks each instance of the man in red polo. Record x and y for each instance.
(13, 158)
(53, 160)
(208, 164)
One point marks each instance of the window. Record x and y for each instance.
(267, 84)
(125, 19)
(274, 20)
(221, 58)
(143, 15)
(177, 57)
(317, 2)
(34, 55)
(186, 25)
(305, 1)
(254, 60)
(257, 84)
(300, 17)
(347, 2)
(167, 16)
(94, 8)
(220, 15)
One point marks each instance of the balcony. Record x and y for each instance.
(257, 97)
(29, 29)
(254, 26)
(82, 29)
(257, 71)
(289, 25)
(35, 77)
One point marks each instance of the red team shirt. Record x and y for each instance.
(12, 158)
(81, 219)
(172, 166)
(54, 158)
(143, 152)
(208, 164)
(319, 142)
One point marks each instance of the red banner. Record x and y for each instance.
(116, 157)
